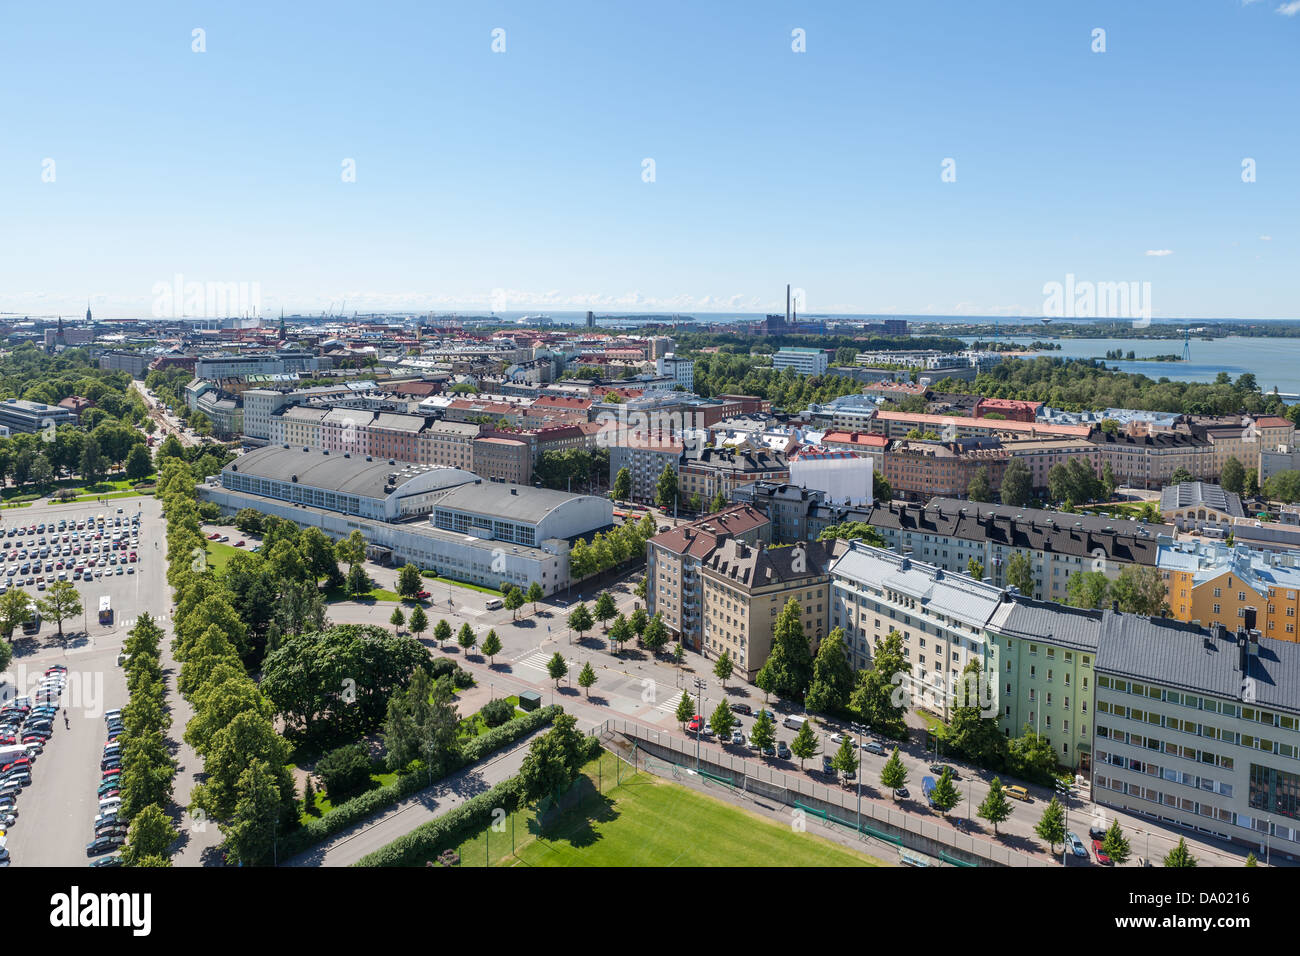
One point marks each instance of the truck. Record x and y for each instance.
(927, 787)
(105, 610)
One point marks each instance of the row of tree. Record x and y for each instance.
(247, 788)
(608, 550)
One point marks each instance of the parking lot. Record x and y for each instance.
(56, 811)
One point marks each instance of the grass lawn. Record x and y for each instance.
(463, 584)
(106, 497)
(647, 821)
(474, 725)
(335, 595)
(219, 554)
(324, 806)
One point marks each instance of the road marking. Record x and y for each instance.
(539, 661)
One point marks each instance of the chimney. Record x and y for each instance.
(1114, 606)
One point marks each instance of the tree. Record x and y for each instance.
(832, 678)
(466, 638)
(804, 744)
(419, 623)
(764, 733)
(1020, 573)
(1180, 475)
(788, 669)
(722, 722)
(441, 631)
(605, 609)
(875, 699)
(580, 620)
(61, 602)
(1180, 856)
(358, 580)
(973, 728)
(586, 677)
(138, 463)
(679, 653)
(666, 488)
(974, 569)
(622, 490)
(722, 668)
(944, 796)
(409, 583)
(1233, 476)
(344, 771)
(151, 836)
(1250, 860)
(853, 531)
(979, 488)
(92, 462)
(1051, 825)
(513, 601)
(894, 774)
(534, 595)
(557, 667)
(1115, 845)
(15, 611)
(1108, 481)
(880, 488)
(1140, 590)
(685, 709)
(1088, 589)
(620, 632)
(655, 637)
(996, 808)
(397, 620)
(1017, 484)
(718, 503)
(846, 758)
(491, 646)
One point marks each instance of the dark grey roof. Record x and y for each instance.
(1156, 440)
(753, 566)
(1194, 494)
(353, 475)
(1059, 624)
(501, 500)
(1031, 529)
(1195, 660)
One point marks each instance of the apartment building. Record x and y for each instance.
(299, 426)
(259, 405)
(744, 587)
(866, 444)
(645, 460)
(1150, 460)
(503, 459)
(941, 617)
(673, 587)
(897, 424)
(1210, 582)
(449, 444)
(1200, 729)
(714, 470)
(920, 470)
(1244, 439)
(1041, 455)
(1042, 663)
(805, 361)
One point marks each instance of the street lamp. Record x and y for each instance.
(700, 684)
(1066, 790)
(859, 729)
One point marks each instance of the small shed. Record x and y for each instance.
(530, 700)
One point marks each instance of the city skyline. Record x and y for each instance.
(508, 171)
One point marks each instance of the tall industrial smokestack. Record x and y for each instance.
(787, 302)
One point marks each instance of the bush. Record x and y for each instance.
(446, 667)
(344, 771)
(497, 712)
(249, 521)
(413, 780)
(209, 511)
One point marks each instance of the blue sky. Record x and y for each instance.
(515, 179)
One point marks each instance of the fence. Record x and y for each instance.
(829, 803)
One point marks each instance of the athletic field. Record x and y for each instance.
(648, 821)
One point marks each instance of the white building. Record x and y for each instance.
(805, 361)
(681, 371)
(844, 478)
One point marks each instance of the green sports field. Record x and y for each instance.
(649, 821)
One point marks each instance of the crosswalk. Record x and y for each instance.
(538, 661)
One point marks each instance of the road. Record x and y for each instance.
(352, 844)
(167, 425)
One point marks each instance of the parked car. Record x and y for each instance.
(740, 707)
(1102, 858)
(696, 724)
(1075, 845)
(103, 844)
(874, 747)
(782, 751)
(113, 860)
(738, 737)
(938, 768)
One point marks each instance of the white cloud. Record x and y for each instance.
(1160, 252)
(1289, 9)
(1265, 238)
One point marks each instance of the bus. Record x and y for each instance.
(105, 611)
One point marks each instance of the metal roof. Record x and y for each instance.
(334, 471)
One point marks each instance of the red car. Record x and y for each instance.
(696, 724)
(1102, 858)
(421, 595)
(214, 536)
(238, 544)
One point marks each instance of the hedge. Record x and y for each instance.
(425, 840)
(413, 780)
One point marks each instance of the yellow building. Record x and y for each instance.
(1210, 583)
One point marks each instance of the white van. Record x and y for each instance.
(794, 722)
(494, 604)
(110, 804)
